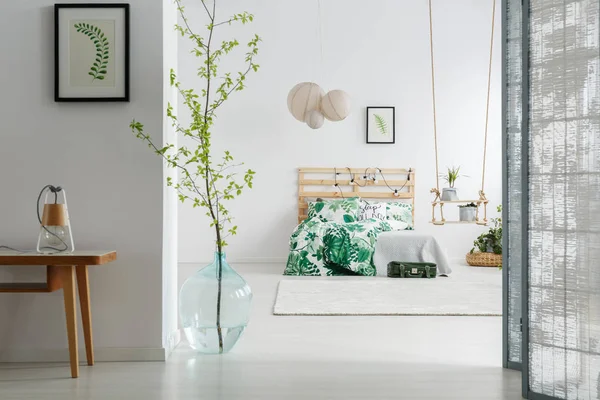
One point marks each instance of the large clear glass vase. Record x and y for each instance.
(212, 326)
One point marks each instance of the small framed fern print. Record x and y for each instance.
(91, 52)
(381, 125)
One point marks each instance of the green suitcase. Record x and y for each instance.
(401, 269)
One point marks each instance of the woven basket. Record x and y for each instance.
(484, 259)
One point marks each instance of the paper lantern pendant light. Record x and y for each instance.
(335, 105)
(315, 119)
(304, 98)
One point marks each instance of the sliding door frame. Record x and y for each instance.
(505, 283)
(505, 196)
(525, 204)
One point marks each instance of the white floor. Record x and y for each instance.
(367, 358)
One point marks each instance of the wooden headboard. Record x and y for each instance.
(316, 183)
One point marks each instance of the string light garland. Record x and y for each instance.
(335, 184)
(396, 191)
(367, 176)
(352, 181)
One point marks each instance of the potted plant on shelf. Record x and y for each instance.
(487, 248)
(214, 303)
(467, 212)
(451, 176)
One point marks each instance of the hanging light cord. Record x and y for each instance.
(352, 180)
(320, 34)
(335, 182)
(389, 187)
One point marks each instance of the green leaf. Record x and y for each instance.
(364, 254)
(319, 206)
(348, 218)
(381, 124)
(98, 39)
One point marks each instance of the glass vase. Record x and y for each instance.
(212, 326)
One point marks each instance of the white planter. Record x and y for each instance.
(449, 194)
(467, 214)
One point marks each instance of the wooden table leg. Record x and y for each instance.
(86, 313)
(68, 284)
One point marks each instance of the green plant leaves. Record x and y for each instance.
(381, 124)
(491, 241)
(99, 68)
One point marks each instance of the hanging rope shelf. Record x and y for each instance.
(482, 202)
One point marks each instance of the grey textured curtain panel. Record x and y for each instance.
(513, 202)
(552, 151)
(564, 198)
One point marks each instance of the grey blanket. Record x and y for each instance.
(408, 246)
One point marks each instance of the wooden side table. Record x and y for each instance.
(62, 270)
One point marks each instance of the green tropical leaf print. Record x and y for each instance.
(349, 205)
(293, 264)
(364, 254)
(333, 205)
(356, 227)
(381, 124)
(348, 218)
(337, 246)
(319, 206)
(366, 269)
(99, 68)
(306, 267)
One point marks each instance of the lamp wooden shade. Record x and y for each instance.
(304, 98)
(54, 215)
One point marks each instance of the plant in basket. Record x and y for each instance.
(487, 248)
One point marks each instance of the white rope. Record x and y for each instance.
(487, 106)
(437, 171)
(320, 35)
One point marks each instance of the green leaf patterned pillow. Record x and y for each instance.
(398, 211)
(337, 210)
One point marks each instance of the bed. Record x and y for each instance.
(334, 238)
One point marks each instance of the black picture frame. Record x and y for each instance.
(393, 125)
(58, 96)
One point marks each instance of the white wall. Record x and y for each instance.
(171, 334)
(114, 186)
(377, 51)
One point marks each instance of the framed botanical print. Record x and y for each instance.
(91, 44)
(381, 125)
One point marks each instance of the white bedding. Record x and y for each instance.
(408, 246)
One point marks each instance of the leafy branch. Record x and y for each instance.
(99, 68)
(203, 181)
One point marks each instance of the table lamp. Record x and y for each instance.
(55, 231)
